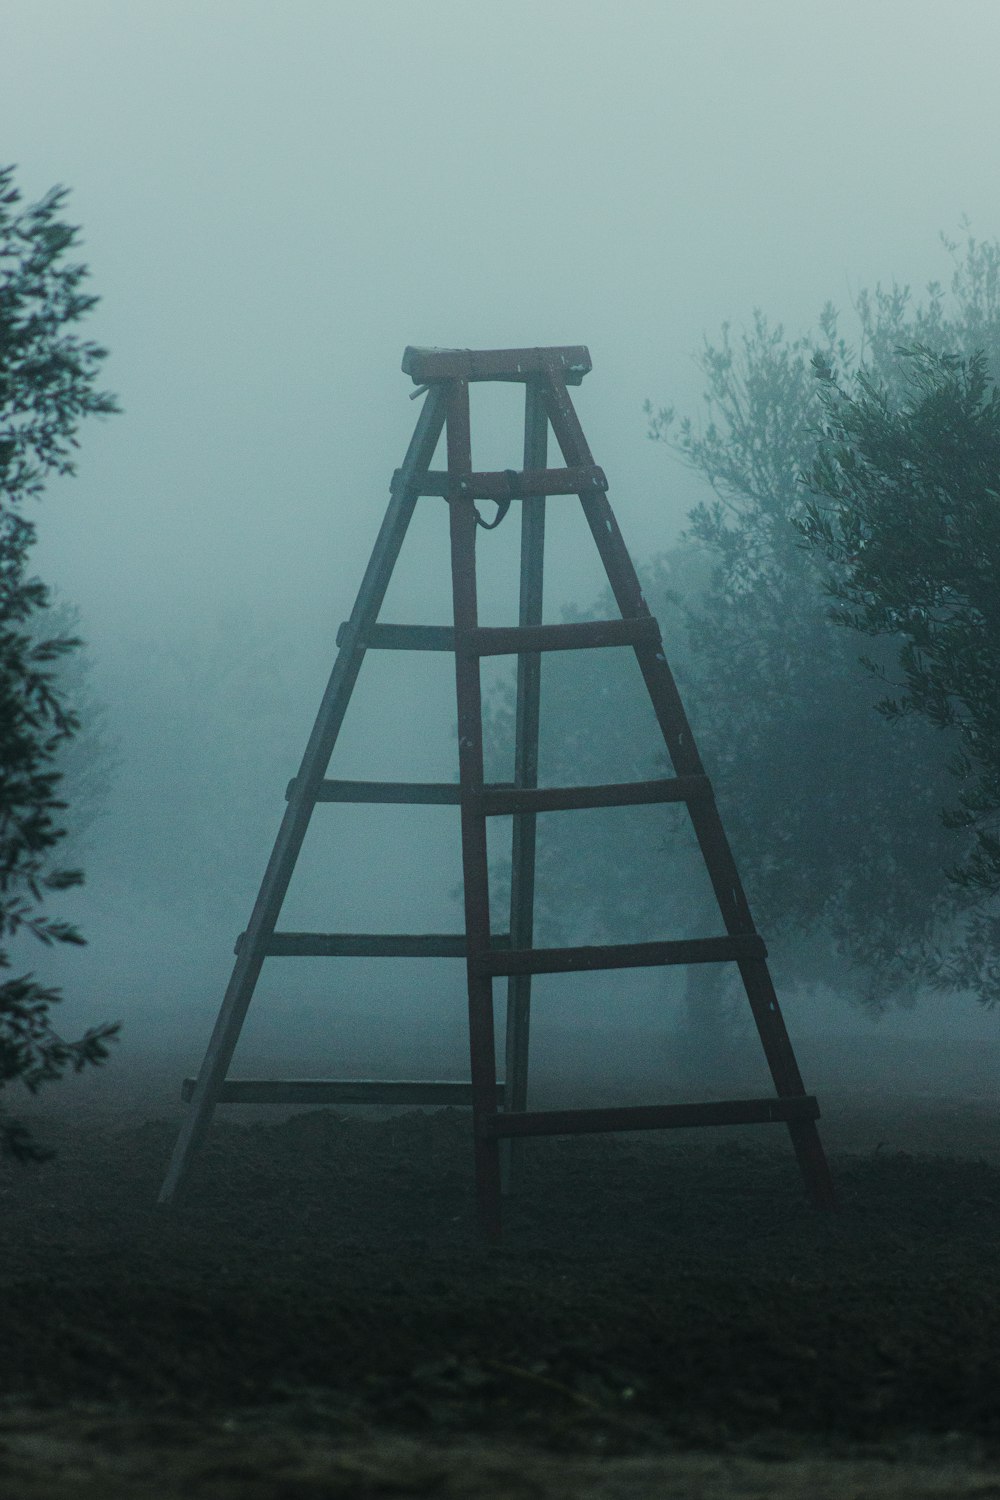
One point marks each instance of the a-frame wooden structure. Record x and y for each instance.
(545, 374)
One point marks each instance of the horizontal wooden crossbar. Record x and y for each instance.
(501, 799)
(341, 1091)
(368, 944)
(620, 955)
(649, 1117)
(417, 793)
(402, 637)
(507, 640)
(502, 959)
(497, 801)
(509, 484)
(571, 361)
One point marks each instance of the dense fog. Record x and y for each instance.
(276, 200)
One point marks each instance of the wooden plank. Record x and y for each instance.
(572, 361)
(651, 1117)
(416, 793)
(502, 801)
(403, 637)
(341, 1091)
(298, 811)
(463, 527)
(370, 944)
(513, 484)
(526, 731)
(712, 950)
(509, 640)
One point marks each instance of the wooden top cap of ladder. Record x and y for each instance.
(572, 363)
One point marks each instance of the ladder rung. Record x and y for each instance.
(340, 1091)
(503, 640)
(498, 801)
(501, 798)
(571, 361)
(446, 793)
(649, 1117)
(621, 955)
(369, 944)
(510, 484)
(402, 637)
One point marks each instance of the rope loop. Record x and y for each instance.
(503, 506)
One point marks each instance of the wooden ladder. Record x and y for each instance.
(500, 1111)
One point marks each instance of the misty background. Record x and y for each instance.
(275, 201)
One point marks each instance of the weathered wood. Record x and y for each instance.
(526, 730)
(714, 950)
(513, 484)
(503, 801)
(801, 1109)
(443, 1093)
(500, 799)
(475, 865)
(510, 640)
(403, 637)
(370, 944)
(582, 635)
(545, 373)
(415, 793)
(424, 365)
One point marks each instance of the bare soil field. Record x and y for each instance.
(664, 1316)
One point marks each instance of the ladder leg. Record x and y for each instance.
(709, 831)
(788, 1083)
(529, 674)
(295, 822)
(475, 868)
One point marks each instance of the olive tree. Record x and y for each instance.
(833, 810)
(907, 512)
(47, 386)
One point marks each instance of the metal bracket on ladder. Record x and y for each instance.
(499, 1111)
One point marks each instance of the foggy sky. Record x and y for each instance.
(276, 199)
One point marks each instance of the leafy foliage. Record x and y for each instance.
(833, 811)
(831, 817)
(88, 761)
(908, 513)
(47, 377)
(852, 814)
(208, 831)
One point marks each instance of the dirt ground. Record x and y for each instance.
(664, 1316)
